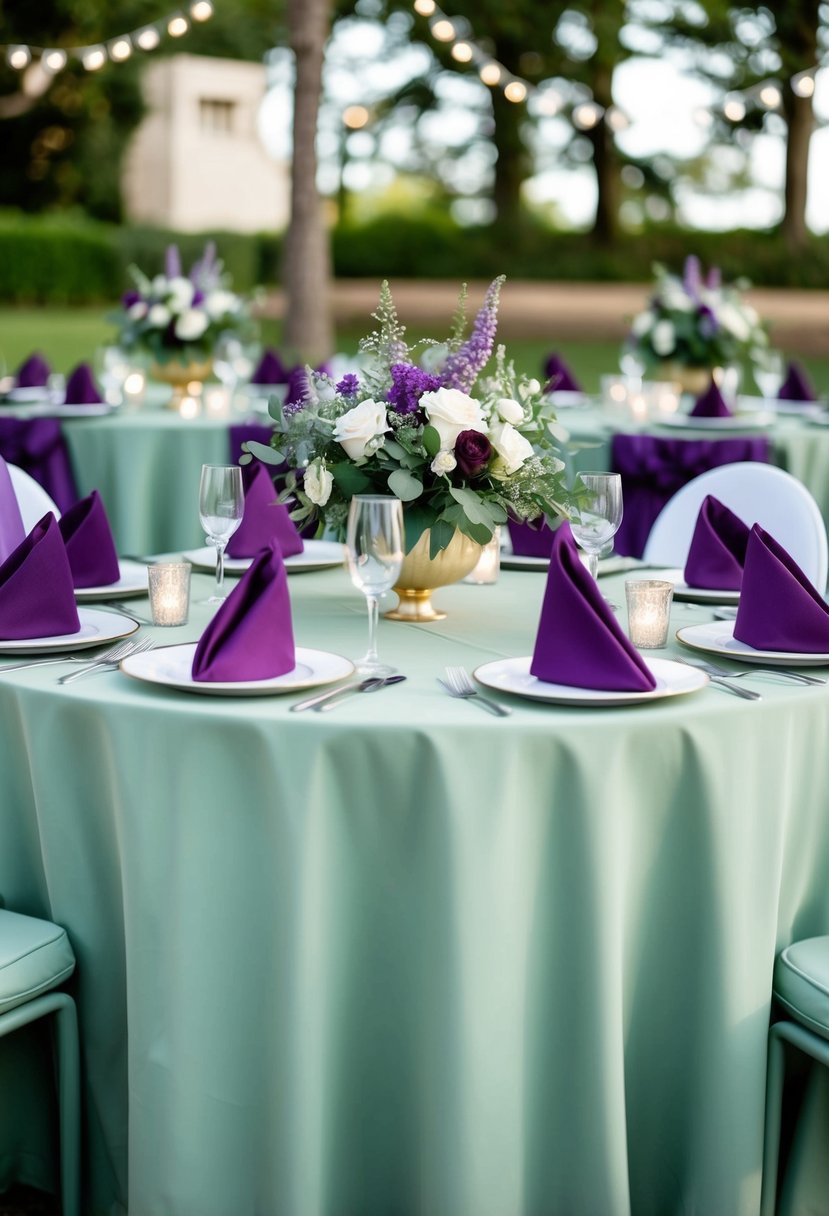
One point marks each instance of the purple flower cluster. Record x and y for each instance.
(349, 386)
(707, 323)
(408, 383)
(463, 366)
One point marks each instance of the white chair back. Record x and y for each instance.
(757, 493)
(32, 499)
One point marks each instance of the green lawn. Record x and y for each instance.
(65, 336)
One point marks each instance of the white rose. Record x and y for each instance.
(220, 303)
(510, 445)
(357, 427)
(509, 410)
(180, 293)
(642, 323)
(675, 298)
(663, 338)
(159, 316)
(191, 325)
(450, 411)
(318, 483)
(136, 311)
(444, 462)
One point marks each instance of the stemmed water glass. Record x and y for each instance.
(221, 506)
(374, 545)
(597, 514)
(233, 362)
(768, 373)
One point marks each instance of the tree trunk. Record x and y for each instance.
(513, 165)
(606, 166)
(307, 263)
(800, 122)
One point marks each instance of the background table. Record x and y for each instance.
(406, 956)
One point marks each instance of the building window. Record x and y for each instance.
(215, 114)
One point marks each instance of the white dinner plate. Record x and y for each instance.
(519, 561)
(94, 409)
(757, 420)
(133, 581)
(171, 667)
(564, 399)
(97, 628)
(803, 409)
(317, 555)
(717, 637)
(692, 595)
(513, 676)
(37, 392)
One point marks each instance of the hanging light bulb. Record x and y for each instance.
(53, 60)
(734, 109)
(202, 10)
(177, 26)
(587, 115)
(770, 96)
(424, 7)
(515, 91)
(443, 30)
(490, 74)
(148, 38)
(120, 49)
(93, 58)
(19, 57)
(803, 84)
(462, 52)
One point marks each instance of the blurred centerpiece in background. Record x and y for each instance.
(693, 326)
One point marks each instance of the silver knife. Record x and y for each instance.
(344, 689)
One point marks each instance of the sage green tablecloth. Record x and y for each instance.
(146, 465)
(407, 957)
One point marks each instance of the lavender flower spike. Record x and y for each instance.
(172, 262)
(692, 276)
(464, 365)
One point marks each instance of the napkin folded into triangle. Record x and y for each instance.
(718, 548)
(535, 539)
(270, 369)
(93, 558)
(37, 599)
(264, 519)
(81, 388)
(579, 641)
(560, 378)
(711, 404)
(797, 385)
(779, 608)
(34, 372)
(12, 531)
(251, 637)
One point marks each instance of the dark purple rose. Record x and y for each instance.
(349, 386)
(198, 298)
(472, 452)
(408, 383)
(129, 298)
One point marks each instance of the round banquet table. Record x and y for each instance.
(405, 956)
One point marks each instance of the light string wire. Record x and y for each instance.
(54, 59)
(587, 113)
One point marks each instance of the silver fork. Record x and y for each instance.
(748, 694)
(126, 649)
(712, 670)
(458, 684)
(104, 657)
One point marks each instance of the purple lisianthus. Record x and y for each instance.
(472, 452)
(349, 386)
(408, 384)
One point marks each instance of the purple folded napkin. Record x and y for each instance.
(90, 548)
(264, 519)
(535, 539)
(12, 532)
(711, 404)
(270, 369)
(579, 640)
(797, 385)
(251, 637)
(33, 373)
(779, 608)
(37, 599)
(718, 548)
(559, 377)
(81, 388)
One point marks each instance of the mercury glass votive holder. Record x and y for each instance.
(649, 611)
(488, 565)
(169, 592)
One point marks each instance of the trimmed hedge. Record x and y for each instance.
(69, 259)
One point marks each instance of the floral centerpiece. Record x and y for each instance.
(177, 317)
(460, 449)
(696, 321)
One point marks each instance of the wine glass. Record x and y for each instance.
(374, 545)
(221, 506)
(768, 373)
(233, 362)
(597, 514)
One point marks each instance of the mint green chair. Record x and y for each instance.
(35, 957)
(801, 986)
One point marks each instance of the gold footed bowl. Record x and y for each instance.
(187, 379)
(421, 574)
(692, 380)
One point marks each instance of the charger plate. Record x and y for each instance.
(513, 676)
(717, 637)
(170, 666)
(133, 582)
(317, 555)
(98, 626)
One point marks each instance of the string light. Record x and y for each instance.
(443, 30)
(462, 52)
(119, 48)
(803, 84)
(515, 91)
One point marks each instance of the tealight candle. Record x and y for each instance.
(488, 564)
(169, 592)
(649, 610)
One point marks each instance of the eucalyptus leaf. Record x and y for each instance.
(262, 452)
(350, 478)
(475, 510)
(404, 486)
(416, 519)
(440, 536)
